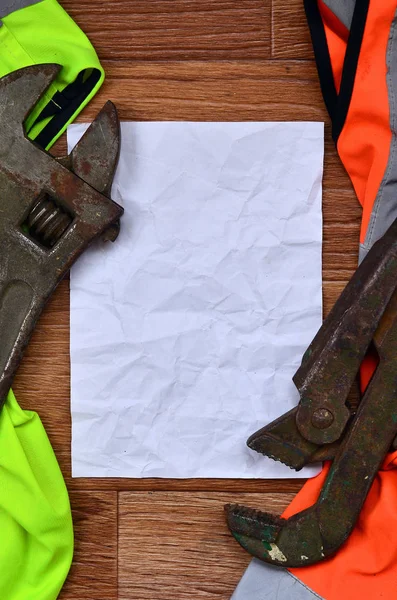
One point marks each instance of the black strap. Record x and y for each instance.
(337, 104)
(322, 56)
(350, 65)
(64, 104)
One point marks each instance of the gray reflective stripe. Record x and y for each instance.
(361, 253)
(385, 207)
(343, 9)
(266, 582)
(9, 6)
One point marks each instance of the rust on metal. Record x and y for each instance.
(324, 427)
(50, 210)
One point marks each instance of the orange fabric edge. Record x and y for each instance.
(364, 144)
(366, 565)
(337, 35)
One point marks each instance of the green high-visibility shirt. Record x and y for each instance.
(40, 31)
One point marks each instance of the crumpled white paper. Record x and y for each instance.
(185, 332)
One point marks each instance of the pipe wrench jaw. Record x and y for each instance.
(365, 313)
(51, 210)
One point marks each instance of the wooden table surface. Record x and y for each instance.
(182, 60)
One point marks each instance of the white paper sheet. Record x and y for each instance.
(186, 332)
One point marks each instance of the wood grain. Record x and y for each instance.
(94, 571)
(188, 60)
(290, 33)
(185, 542)
(177, 29)
(235, 91)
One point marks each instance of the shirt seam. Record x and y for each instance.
(305, 586)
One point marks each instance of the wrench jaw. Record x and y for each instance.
(294, 542)
(21, 90)
(96, 154)
(282, 441)
(51, 210)
(365, 312)
(319, 531)
(95, 157)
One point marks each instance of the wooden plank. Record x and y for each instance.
(335, 175)
(331, 292)
(42, 382)
(181, 545)
(341, 206)
(290, 32)
(177, 30)
(93, 575)
(340, 249)
(262, 486)
(235, 91)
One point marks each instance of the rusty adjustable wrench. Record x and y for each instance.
(324, 427)
(50, 210)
